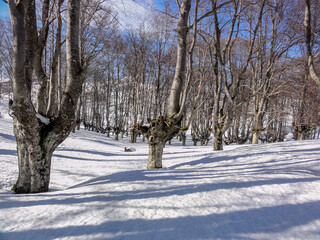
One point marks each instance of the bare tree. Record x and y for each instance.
(166, 127)
(37, 138)
(265, 69)
(228, 71)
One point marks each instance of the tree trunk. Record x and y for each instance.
(164, 128)
(255, 137)
(52, 107)
(116, 136)
(36, 140)
(159, 132)
(217, 138)
(300, 136)
(34, 161)
(308, 40)
(155, 152)
(179, 75)
(183, 138)
(133, 136)
(257, 129)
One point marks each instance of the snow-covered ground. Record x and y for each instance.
(98, 191)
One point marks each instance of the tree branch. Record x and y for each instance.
(307, 24)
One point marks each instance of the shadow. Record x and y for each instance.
(8, 152)
(104, 142)
(95, 153)
(132, 176)
(204, 160)
(231, 225)
(207, 159)
(8, 137)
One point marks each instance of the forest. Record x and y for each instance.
(226, 71)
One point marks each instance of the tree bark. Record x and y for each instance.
(36, 140)
(156, 146)
(164, 128)
(308, 36)
(159, 132)
(258, 126)
(179, 75)
(52, 107)
(217, 137)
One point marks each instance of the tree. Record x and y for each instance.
(37, 138)
(308, 40)
(267, 66)
(6, 57)
(229, 70)
(166, 127)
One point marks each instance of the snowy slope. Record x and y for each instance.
(98, 191)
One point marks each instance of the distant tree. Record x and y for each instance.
(229, 69)
(6, 57)
(37, 138)
(265, 68)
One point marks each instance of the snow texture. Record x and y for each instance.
(43, 119)
(99, 191)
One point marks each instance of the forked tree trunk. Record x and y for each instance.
(159, 132)
(34, 159)
(34, 162)
(36, 141)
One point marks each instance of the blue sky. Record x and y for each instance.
(124, 7)
(4, 10)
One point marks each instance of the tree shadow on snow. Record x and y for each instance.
(8, 137)
(211, 158)
(130, 177)
(104, 154)
(8, 152)
(231, 225)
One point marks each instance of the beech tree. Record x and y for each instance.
(38, 137)
(166, 127)
(228, 68)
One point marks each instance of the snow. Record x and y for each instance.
(98, 191)
(43, 119)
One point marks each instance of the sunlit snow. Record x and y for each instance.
(99, 191)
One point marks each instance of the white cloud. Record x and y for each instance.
(131, 13)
